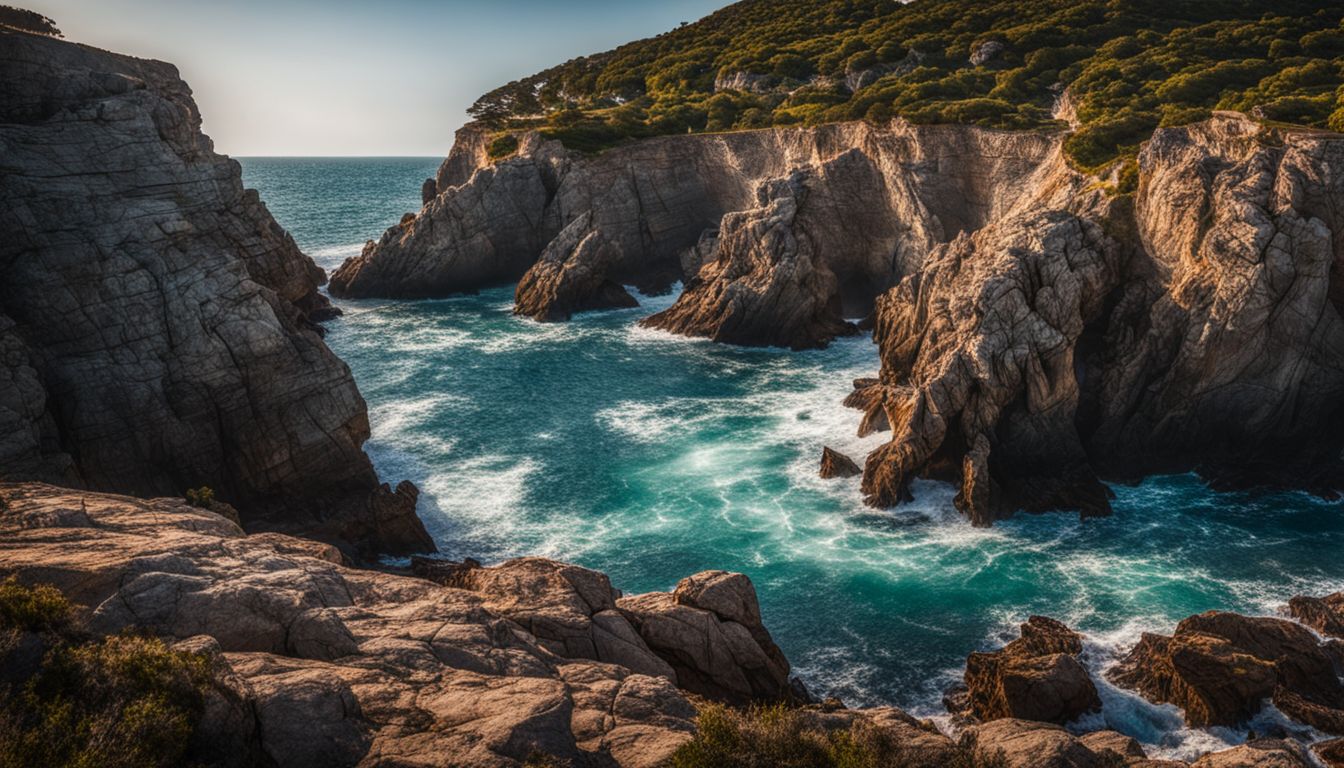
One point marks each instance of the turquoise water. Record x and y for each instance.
(650, 457)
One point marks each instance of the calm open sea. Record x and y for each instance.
(651, 457)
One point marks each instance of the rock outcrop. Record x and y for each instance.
(1035, 677)
(709, 629)
(340, 666)
(836, 464)
(157, 326)
(1220, 668)
(571, 276)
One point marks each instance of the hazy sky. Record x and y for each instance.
(354, 77)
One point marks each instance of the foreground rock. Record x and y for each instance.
(346, 667)
(709, 629)
(156, 324)
(1035, 677)
(1220, 668)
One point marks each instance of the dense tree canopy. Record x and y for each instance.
(1128, 66)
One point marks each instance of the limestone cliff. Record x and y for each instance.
(156, 324)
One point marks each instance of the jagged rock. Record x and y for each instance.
(1124, 747)
(1262, 753)
(1035, 677)
(156, 324)
(571, 276)
(322, 665)
(836, 464)
(1323, 614)
(1221, 667)
(769, 284)
(705, 250)
(980, 348)
(428, 191)
(709, 630)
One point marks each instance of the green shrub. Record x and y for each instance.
(1130, 67)
(28, 21)
(781, 737)
(118, 702)
(502, 146)
(201, 497)
(32, 609)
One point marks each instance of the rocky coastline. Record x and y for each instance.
(1039, 330)
(317, 663)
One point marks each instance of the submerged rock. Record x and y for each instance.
(157, 326)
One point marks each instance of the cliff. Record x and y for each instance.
(1036, 332)
(157, 325)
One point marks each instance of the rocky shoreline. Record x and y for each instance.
(322, 664)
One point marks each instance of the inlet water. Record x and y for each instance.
(651, 457)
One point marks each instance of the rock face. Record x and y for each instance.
(156, 324)
(1035, 677)
(1221, 668)
(339, 667)
(571, 276)
(846, 209)
(709, 629)
(1323, 614)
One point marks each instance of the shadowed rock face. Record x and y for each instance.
(1036, 677)
(156, 324)
(571, 276)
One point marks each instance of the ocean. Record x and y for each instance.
(651, 457)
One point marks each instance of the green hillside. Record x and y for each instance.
(1130, 65)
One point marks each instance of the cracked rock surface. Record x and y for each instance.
(157, 326)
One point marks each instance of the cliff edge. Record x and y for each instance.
(157, 326)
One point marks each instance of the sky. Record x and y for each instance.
(354, 77)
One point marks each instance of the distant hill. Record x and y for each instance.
(1129, 66)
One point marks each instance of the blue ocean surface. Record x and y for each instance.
(651, 456)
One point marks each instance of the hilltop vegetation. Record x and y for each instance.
(1129, 67)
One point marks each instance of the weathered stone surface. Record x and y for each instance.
(1035, 677)
(571, 276)
(978, 361)
(1323, 614)
(1029, 744)
(1262, 753)
(322, 665)
(768, 285)
(836, 464)
(709, 630)
(1330, 752)
(1221, 668)
(156, 324)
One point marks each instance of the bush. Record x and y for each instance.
(201, 497)
(502, 146)
(28, 21)
(32, 609)
(119, 702)
(780, 737)
(1129, 66)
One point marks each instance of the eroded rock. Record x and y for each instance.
(1035, 677)
(836, 464)
(572, 276)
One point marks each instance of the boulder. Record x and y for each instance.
(1221, 668)
(1035, 677)
(1261, 753)
(1323, 614)
(835, 464)
(1015, 743)
(1330, 752)
(709, 630)
(429, 190)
